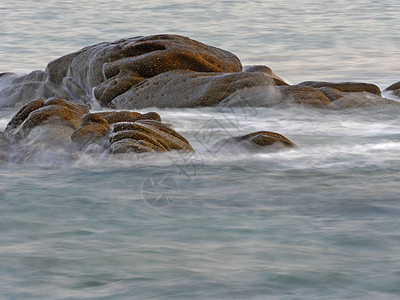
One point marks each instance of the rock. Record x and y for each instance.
(252, 97)
(188, 89)
(55, 111)
(363, 99)
(345, 86)
(304, 95)
(331, 93)
(260, 141)
(395, 88)
(146, 136)
(268, 71)
(93, 128)
(126, 131)
(113, 68)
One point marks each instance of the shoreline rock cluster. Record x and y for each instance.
(151, 71)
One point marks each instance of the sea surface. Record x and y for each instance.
(318, 222)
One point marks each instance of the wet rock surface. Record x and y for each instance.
(345, 86)
(188, 89)
(113, 68)
(395, 88)
(361, 99)
(304, 95)
(260, 141)
(146, 136)
(56, 111)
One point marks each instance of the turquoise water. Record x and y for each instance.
(319, 222)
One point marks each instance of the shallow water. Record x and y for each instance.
(318, 222)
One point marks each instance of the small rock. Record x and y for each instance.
(345, 86)
(304, 95)
(395, 88)
(363, 99)
(260, 141)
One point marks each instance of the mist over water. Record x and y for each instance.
(317, 222)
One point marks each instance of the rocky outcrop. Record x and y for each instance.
(260, 141)
(173, 71)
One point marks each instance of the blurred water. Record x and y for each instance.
(319, 222)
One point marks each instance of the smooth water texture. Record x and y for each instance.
(318, 222)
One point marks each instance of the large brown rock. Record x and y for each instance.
(112, 68)
(188, 89)
(345, 86)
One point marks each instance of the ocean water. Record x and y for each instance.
(318, 222)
